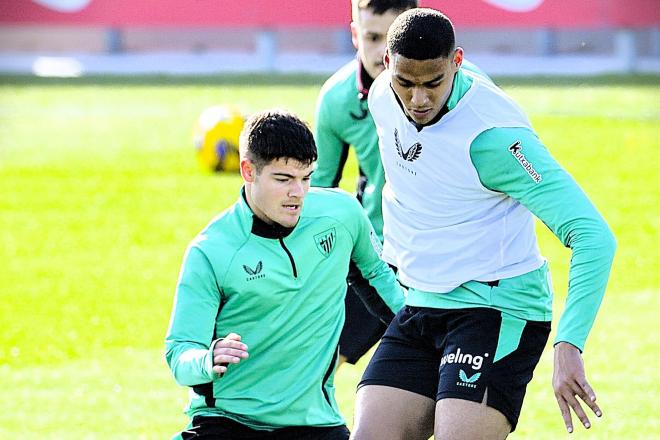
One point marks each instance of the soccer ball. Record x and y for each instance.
(216, 136)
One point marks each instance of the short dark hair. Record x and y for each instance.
(276, 134)
(421, 34)
(379, 7)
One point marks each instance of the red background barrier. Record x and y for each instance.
(323, 13)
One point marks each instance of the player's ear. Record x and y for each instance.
(386, 58)
(248, 170)
(458, 57)
(354, 34)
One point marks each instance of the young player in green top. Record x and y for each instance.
(260, 299)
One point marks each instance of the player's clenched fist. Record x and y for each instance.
(229, 350)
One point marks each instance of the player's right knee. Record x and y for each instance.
(383, 412)
(383, 433)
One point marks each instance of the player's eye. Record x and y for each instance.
(373, 37)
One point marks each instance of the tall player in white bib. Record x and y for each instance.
(465, 174)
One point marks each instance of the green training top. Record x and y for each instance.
(343, 119)
(562, 206)
(283, 292)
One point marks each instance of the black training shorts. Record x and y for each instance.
(460, 353)
(216, 428)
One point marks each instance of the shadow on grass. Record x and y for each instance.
(305, 80)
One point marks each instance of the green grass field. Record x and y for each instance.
(100, 194)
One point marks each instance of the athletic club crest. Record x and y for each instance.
(325, 241)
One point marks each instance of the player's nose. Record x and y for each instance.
(296, 189)
(418, 97)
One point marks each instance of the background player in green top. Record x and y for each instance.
(342, 116)
(343, 120)
(260, 299)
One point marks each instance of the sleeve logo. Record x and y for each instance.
(516, 151)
